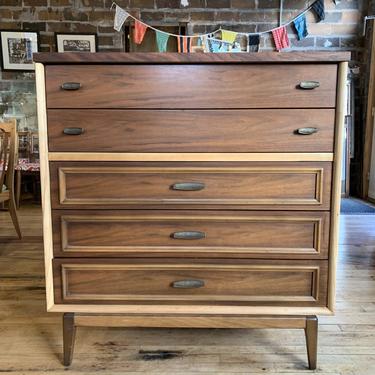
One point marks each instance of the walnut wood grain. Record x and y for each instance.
(191, 130)
(227, 234)
(187, 58)
(261, 282)
(192, 86)
(303, 186)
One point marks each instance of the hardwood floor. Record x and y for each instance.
(31, 339)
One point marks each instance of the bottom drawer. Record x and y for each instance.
(255, 282)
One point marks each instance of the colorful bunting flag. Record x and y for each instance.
(300, 25)
(139, 32)
(120, 17)
(254, 41)
(280, 37)
(318, 8)
(228, 36)
(162, 40)
(184, 44)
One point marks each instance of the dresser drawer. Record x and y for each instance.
(191, 234)
(259, 282)
(191, 130)
(191, 86)
(269, 185)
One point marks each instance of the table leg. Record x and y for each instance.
(18, 187)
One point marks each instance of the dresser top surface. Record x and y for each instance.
(186, 58)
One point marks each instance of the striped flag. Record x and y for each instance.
(280, 36)
(184, 44)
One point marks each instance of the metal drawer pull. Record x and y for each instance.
(188, 186)
(73, 131)
(309, 85)
(188, 284)
(71, 86)
(306, 131)
(188, 235)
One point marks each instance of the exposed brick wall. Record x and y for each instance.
(339, 31)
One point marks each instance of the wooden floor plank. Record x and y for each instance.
(31, 339)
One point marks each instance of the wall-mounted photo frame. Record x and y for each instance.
(76, 42)
(17, 48)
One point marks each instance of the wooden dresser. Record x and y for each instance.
(191, 190)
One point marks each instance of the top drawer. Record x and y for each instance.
(191, 86)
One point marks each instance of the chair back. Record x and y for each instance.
(8, 154)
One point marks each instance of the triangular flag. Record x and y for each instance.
(120, 17)
(228, 36)
(139, 32)
(254, 41)
(162, 40)
(318, 8)
(184, 44)
(300, 25)
(280, 37)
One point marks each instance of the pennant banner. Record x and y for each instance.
(120, 17)
(300, 25)
(254, 41)
(318, 8)
(228, 36)
(280, 37)
(162, 40)
(139, 32)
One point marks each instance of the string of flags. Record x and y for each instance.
(210, 42)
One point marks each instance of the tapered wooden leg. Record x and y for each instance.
(69, 333)
(13, 215)
(311, 333)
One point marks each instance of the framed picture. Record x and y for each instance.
(17, 49)
(76, 42)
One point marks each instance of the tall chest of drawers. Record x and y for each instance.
(191, 190)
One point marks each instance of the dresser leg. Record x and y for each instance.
(69, 333)
(311, 333)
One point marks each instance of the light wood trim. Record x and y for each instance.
(369, 126)
(186, 309)
(66, 219)
(316, 200)
(313, 270)
(336, 183)
(131, 156)
(189, 321)
(45, 181)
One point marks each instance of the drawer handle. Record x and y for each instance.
(308, 85)
(71, 86)
(73, 131)
(188, 284)
(306, 131)
(188, 186)
(188, 235)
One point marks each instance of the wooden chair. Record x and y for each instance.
(8, 158)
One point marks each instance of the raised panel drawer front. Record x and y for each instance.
(270, 185)
(192, 86)
(270, 130)
(283, 283)
(191, 234)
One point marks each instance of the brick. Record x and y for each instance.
(168, 4)
(327, 42)
(5, 14)
(152, 16)
(142, 4)
(266, 4)
(304, 43)
(105, 40)
(49, 14)
(120, 3)
(78, 27)
(35, 3)
(218, 3)
(227, 16)
(243, 4)
(60, 3)
(202, 16)
(176, 17)
(10, 25)
(59, 27)
(12, 3)
(75, 15)
(34, 26)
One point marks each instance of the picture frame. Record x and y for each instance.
(74, 42)
(17, 48)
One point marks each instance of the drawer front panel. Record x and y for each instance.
(191, 234)
(270, 185)
(172, 86)
(191, 130)
(261, 282)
